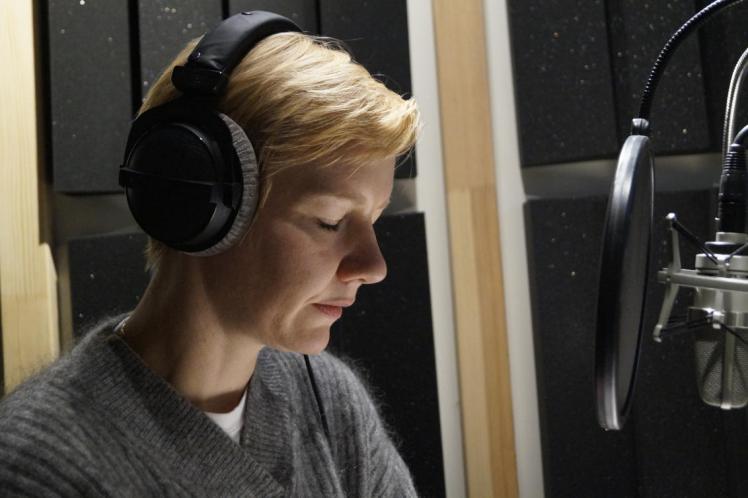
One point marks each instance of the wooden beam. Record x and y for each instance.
(480, 317)
(28, 295)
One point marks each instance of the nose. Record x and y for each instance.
(364, 261)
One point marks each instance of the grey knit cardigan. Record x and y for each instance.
(98, 422)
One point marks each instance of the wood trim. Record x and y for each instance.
(28, 283)
(480, 317)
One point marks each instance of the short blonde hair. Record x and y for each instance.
(302, 100)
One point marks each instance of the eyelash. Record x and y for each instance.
(327, 226)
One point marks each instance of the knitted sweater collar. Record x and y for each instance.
(148, 409)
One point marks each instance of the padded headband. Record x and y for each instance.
(217, 54)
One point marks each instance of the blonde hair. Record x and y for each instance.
(302, 100)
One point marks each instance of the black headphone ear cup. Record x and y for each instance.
(245, 153)
(191, 177)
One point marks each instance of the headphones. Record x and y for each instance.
(190, 173)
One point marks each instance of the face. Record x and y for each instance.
(311, 247)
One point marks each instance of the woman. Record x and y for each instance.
(203, 390)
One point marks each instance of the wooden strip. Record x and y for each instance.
(475, 249)
(27, 277)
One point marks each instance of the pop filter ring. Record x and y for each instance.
(615, 379)
(621, 296)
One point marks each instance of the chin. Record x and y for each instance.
(315, 346)
(312, 342)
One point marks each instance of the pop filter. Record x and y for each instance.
(623, 281)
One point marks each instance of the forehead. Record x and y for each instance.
(359, 182)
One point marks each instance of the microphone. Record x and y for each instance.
(719, 314)
(720, 310)
(721, 359)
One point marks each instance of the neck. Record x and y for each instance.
(181, 338)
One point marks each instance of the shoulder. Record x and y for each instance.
(48, 421)
(47, 405)
(40, 428)
(47, 394)
(58, 391)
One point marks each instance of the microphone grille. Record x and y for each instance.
(721, 368)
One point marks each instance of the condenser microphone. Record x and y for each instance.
(719, 306)
(720, 345)
(719, 314)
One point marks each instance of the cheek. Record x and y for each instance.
(289, 261)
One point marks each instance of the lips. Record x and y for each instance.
(330, 310)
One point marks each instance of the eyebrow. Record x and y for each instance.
(353, 198)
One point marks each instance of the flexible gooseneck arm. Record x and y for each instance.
(672, 44)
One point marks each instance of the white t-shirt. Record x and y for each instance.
(233, 421)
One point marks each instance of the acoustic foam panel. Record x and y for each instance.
(302, 12)
(562, 81)
(377, 35)
(388, 331)
(734, 423)
(638, 31)
(166, 26)
(90, 91)
(107, 276)
(579, 459)
(673, 445)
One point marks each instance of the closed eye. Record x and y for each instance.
(327, 226)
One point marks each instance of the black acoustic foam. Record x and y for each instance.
(562, 80)
(579, 459)
(580, 68)
(107, 276)
(166, 26)
(302, 12)
(90, 98)
(638, 31)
